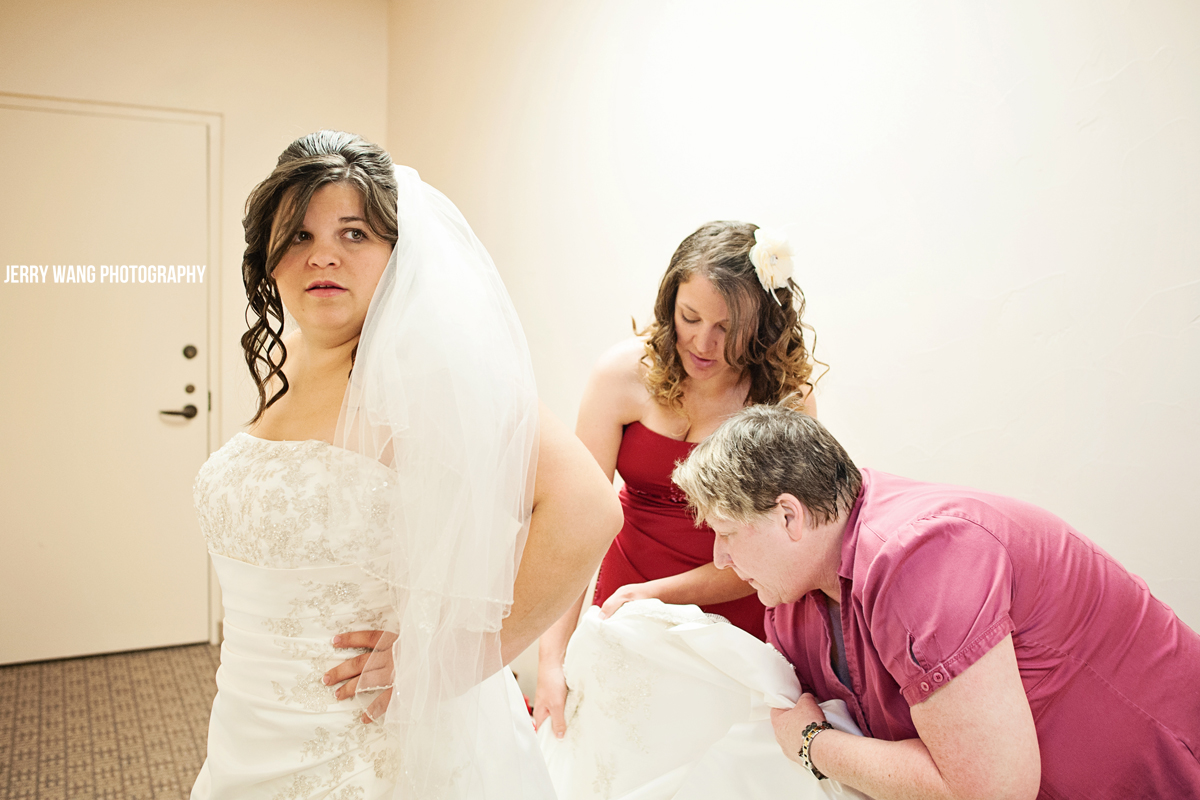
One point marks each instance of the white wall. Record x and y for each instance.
(994, 205)
(274, 70)
(996, 210)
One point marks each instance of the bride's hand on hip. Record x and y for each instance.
(367, 672)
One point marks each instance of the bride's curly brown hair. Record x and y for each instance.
(275, 211)
(765, 339)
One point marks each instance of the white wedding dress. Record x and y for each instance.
(297, 533)
(669, 703)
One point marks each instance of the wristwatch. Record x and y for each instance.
(810, 733)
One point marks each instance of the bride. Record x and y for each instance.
(386, 483)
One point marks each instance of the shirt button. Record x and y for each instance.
(938, 677)
(924, 686)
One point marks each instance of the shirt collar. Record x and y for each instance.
(850, 537)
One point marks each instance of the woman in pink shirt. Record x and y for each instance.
(985, 648)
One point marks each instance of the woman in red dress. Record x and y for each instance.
(727, 333)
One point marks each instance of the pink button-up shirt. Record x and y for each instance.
(934, 576)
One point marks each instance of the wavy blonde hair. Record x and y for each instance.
(766, 339)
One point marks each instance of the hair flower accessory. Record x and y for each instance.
(771, 256)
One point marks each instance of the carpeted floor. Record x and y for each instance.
(129, 726)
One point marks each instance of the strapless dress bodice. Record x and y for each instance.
(292, 504)
(296, 531)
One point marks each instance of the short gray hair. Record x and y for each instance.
(739, 471)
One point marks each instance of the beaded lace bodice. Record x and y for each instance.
(290, 505)
(297, 532)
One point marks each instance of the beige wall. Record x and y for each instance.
(993, 205)
(274, 70)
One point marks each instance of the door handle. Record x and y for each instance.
(188, 411)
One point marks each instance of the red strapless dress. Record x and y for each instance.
(660, 538)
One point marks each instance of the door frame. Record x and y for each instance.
(213, 125)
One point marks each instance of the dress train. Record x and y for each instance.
(669, 703)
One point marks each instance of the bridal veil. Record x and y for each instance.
(442, 391)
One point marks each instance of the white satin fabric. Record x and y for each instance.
(668, 703)
(298, 535)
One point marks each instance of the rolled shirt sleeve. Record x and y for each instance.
(937, 598)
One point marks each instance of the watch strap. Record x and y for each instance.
(810, 733)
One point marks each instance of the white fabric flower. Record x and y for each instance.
(771, 256)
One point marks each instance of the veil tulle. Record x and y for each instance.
(442, 391)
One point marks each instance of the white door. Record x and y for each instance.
(100, 547)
